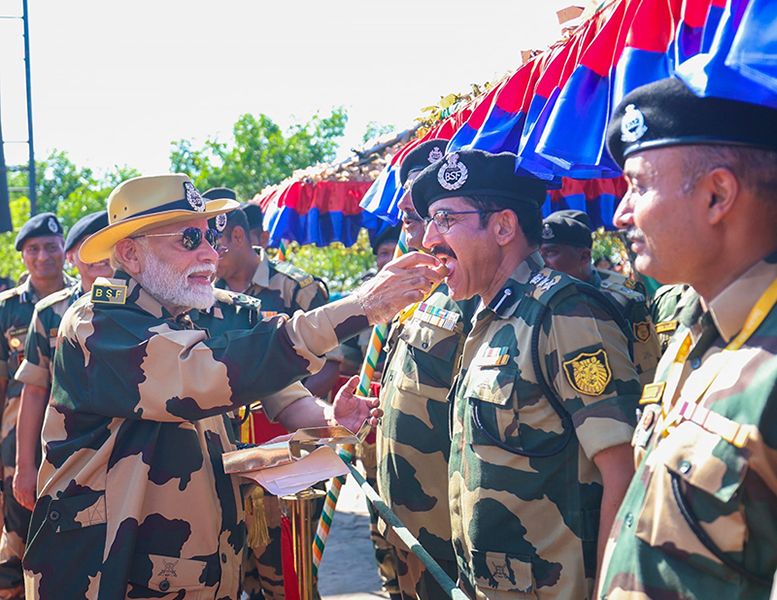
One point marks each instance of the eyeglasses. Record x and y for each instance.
(441, 218)
(191, 238)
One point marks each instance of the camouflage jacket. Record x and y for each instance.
(668, 303)
(633, 303)
(413, 441)
(529, 524)
(282, 287)
(37, 367)
(133, 500)
(699, 519)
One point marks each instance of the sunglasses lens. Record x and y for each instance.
(191, 238)
(213, 237)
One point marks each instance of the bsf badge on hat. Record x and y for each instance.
(633, 124)
(52, 225)
(547, 232)
(453, 174)
(221, 222)
(435, 155)
(193, 197)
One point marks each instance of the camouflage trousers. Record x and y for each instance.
(415, 580)
(16, 518)
(262, 568)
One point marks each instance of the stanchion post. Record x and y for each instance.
(300, 508)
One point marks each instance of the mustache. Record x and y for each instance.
(443, 250)
(634, 234)
(411, 215)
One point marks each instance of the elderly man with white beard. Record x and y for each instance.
(133, 500)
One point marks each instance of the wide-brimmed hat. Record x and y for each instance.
(144, 203)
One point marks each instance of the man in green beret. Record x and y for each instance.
(699, 519)
(566, 247)
(545, 398)
(133, 500)
(40, 242)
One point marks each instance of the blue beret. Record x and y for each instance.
(474, 173)
(667, 113)
(570, 227)
(85, 226)
(38, 226)
(425, 154)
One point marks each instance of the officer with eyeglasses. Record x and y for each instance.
(133, 500)
(545, 398)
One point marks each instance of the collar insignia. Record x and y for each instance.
(193, 197)
(435, 155)
(632, 125)
(221, 222)
(547, 232)
(52, 225)
(453, 174)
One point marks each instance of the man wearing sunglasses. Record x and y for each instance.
(545, 399)
(40, 242)
(133, 500)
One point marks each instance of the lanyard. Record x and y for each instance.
(695, 390)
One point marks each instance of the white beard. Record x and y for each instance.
(170, 287)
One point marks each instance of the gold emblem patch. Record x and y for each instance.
(109, 294)
(589, 373)
(666, 327)
(642, 331)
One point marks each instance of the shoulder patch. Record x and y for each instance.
(6, 294)
(548, 285)
(303, 279)
(589, 373)
(52, 299)
(109, 293)
(642, 331)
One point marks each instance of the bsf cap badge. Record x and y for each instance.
(52, 224)
(453, 174)
(547, 232)
(435, 155)
(193, 197)
(221, 222)
(632, 124)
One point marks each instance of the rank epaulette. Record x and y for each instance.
(303, 279)
(7, 294)
(52, 299)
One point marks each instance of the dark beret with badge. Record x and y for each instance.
(570, 227)
(474, 173)
(38, 226)
(425, 154)
(667, 113)
(85, 226)
(254, 214)
(389, 234)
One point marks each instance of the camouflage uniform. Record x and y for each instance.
(133, 500)
(633, 304)
(282, 287)
(668, 302)
(527, 526)
(413, 442)
(700, 517)
(16, 309)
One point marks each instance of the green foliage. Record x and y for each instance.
(261, 154)
(342, 268)
(375, 130)
(609, 245)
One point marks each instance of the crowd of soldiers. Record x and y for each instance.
(543, 430)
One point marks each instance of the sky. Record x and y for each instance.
(114, 83)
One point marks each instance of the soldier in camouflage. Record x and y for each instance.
(699, 519)
(424, 345)
(545, 399)
(566, 247)
(37, 368)
(41, 244)
(668, 302)
(133, 499)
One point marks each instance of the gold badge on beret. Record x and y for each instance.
(642, 331)
(589, 373)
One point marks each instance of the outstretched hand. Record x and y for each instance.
(404, 280)
(350, 410)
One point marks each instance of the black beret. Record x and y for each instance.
(390, 234)
(474, 173)
(570, 227)
(85, 226)
(254, 214)
(39, 225)
(425, 154)
(667, 113)
(220, 193)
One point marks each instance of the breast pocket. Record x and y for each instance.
(428, 358)
(692, 507)
(156, 576)
(488, 391)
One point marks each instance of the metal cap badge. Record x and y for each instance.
(453, 174)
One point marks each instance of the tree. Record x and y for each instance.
(260, 154)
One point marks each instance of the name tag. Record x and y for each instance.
(666, 327)
(652, 392)
(109, 294)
